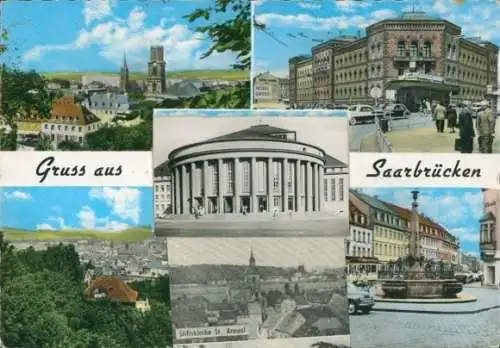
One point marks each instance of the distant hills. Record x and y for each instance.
(131, 234)
(229, 75)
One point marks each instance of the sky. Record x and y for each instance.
(92, 35)
(457, 209)
(274, 251)
(91, 208)
(294, 27)
(328, 133)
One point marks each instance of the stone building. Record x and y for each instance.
(256, 170)
(267, 89)
(489, 240)
(155, 83)
(408, 58)
(106, 106)
(162, 190)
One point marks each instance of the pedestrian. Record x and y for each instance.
(428, 110)
(451, 116)
(485, 125)
(466, 129)
(440, 115)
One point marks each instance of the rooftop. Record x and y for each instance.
(416, 16)
(257, 132)
(115, 288)
(66, 110)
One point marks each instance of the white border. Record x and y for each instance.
(303, 342)
(361, 164)
(19, 168)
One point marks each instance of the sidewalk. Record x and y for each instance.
(423, 140)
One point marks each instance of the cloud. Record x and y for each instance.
(124, 202)
(310, 5)
(306, 21)
(97, 10)
(45, 227)
(383, 14)
(18, 195)
(350, 6)
(441, 6)
(132, 34)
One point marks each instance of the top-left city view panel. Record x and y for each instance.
(86, 75)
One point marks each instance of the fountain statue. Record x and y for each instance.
(413, 281)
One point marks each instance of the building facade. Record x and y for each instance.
(106, 106)
(408, 58)
(69, 121)
(155, 83)
(162, 190)
(490, 237)
(361, 233)
(256, 170)
(267, 89)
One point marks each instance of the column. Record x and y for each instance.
(236, 186)
(269, 184)
(220, 195)
(177, 199)
(309, 184)
(185, 189)
(253, 186)
(297, 186)
(321, 179)
(192, 178)
(284, 182)
(206, 184)
(315, 186)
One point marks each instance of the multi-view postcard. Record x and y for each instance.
(415, 76)
(86, 75)
(80, 268)
(258, 289)
(250, 173)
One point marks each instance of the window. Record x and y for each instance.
(401, 48)
(341, 189)
(215, 179)
(246, 176)
(332, 190)
(401, 71)
(290, 177)
(427, 49)
(414, 48)
(276, 177)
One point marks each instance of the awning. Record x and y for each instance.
(397, 84)
(358, 259)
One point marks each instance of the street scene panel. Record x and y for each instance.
(74, 213)
(423, 254)
(273, 174)
(100, 293)
(87, 75)
(244, 289)
(413, 76)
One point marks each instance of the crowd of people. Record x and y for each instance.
(461, 117)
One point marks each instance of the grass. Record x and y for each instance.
(187, 74)
(130, 235)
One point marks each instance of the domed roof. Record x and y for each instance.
(415, 16)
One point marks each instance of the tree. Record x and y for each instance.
(69, 145)
(232, 35)
(121, 138)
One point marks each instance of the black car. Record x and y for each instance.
(396, 111)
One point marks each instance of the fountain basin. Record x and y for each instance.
(420, 288)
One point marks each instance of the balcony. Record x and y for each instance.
(409, 56)
(488, 249)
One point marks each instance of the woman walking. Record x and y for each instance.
(452, 116)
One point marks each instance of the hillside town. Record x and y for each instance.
(81, 105)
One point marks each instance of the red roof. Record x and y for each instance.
(115, 288)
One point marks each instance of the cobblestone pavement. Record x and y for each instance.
(417, 330)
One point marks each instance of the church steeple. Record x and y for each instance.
(252, 258)
(124, 75)
(125, 60)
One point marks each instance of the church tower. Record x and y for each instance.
(252, 277)
(124, 76)
(156, 83)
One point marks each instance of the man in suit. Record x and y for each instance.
(466, 129)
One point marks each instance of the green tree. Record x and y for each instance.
(121, 138)
(44, 143)
(69, 145)
(231, 35)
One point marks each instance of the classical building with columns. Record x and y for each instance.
(256, 170)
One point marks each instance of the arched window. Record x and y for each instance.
(401, 48)
(414, 48)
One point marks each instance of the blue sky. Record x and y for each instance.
(92, 35)
(457, 209)
(247, 113)
(90, 208)
(294, 27)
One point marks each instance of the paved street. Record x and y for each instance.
(398, 329)
(416, 134)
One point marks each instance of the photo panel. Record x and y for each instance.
(248, 173)
(86, 75)
(415, 76)
(239, 290)
(424, 244)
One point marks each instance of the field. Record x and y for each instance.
(131, 234)
(230, 75)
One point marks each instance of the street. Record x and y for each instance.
(416, 134)
(400, 329)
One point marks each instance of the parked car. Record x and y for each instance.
(358, 114)
(464, 278)
(359, 300)
(395, 111)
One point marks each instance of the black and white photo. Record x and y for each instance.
(243, 289)
(260, 173)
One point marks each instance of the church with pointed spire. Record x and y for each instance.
(124, 76)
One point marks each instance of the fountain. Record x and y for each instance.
(413, 281)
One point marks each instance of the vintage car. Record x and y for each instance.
(360, 300)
